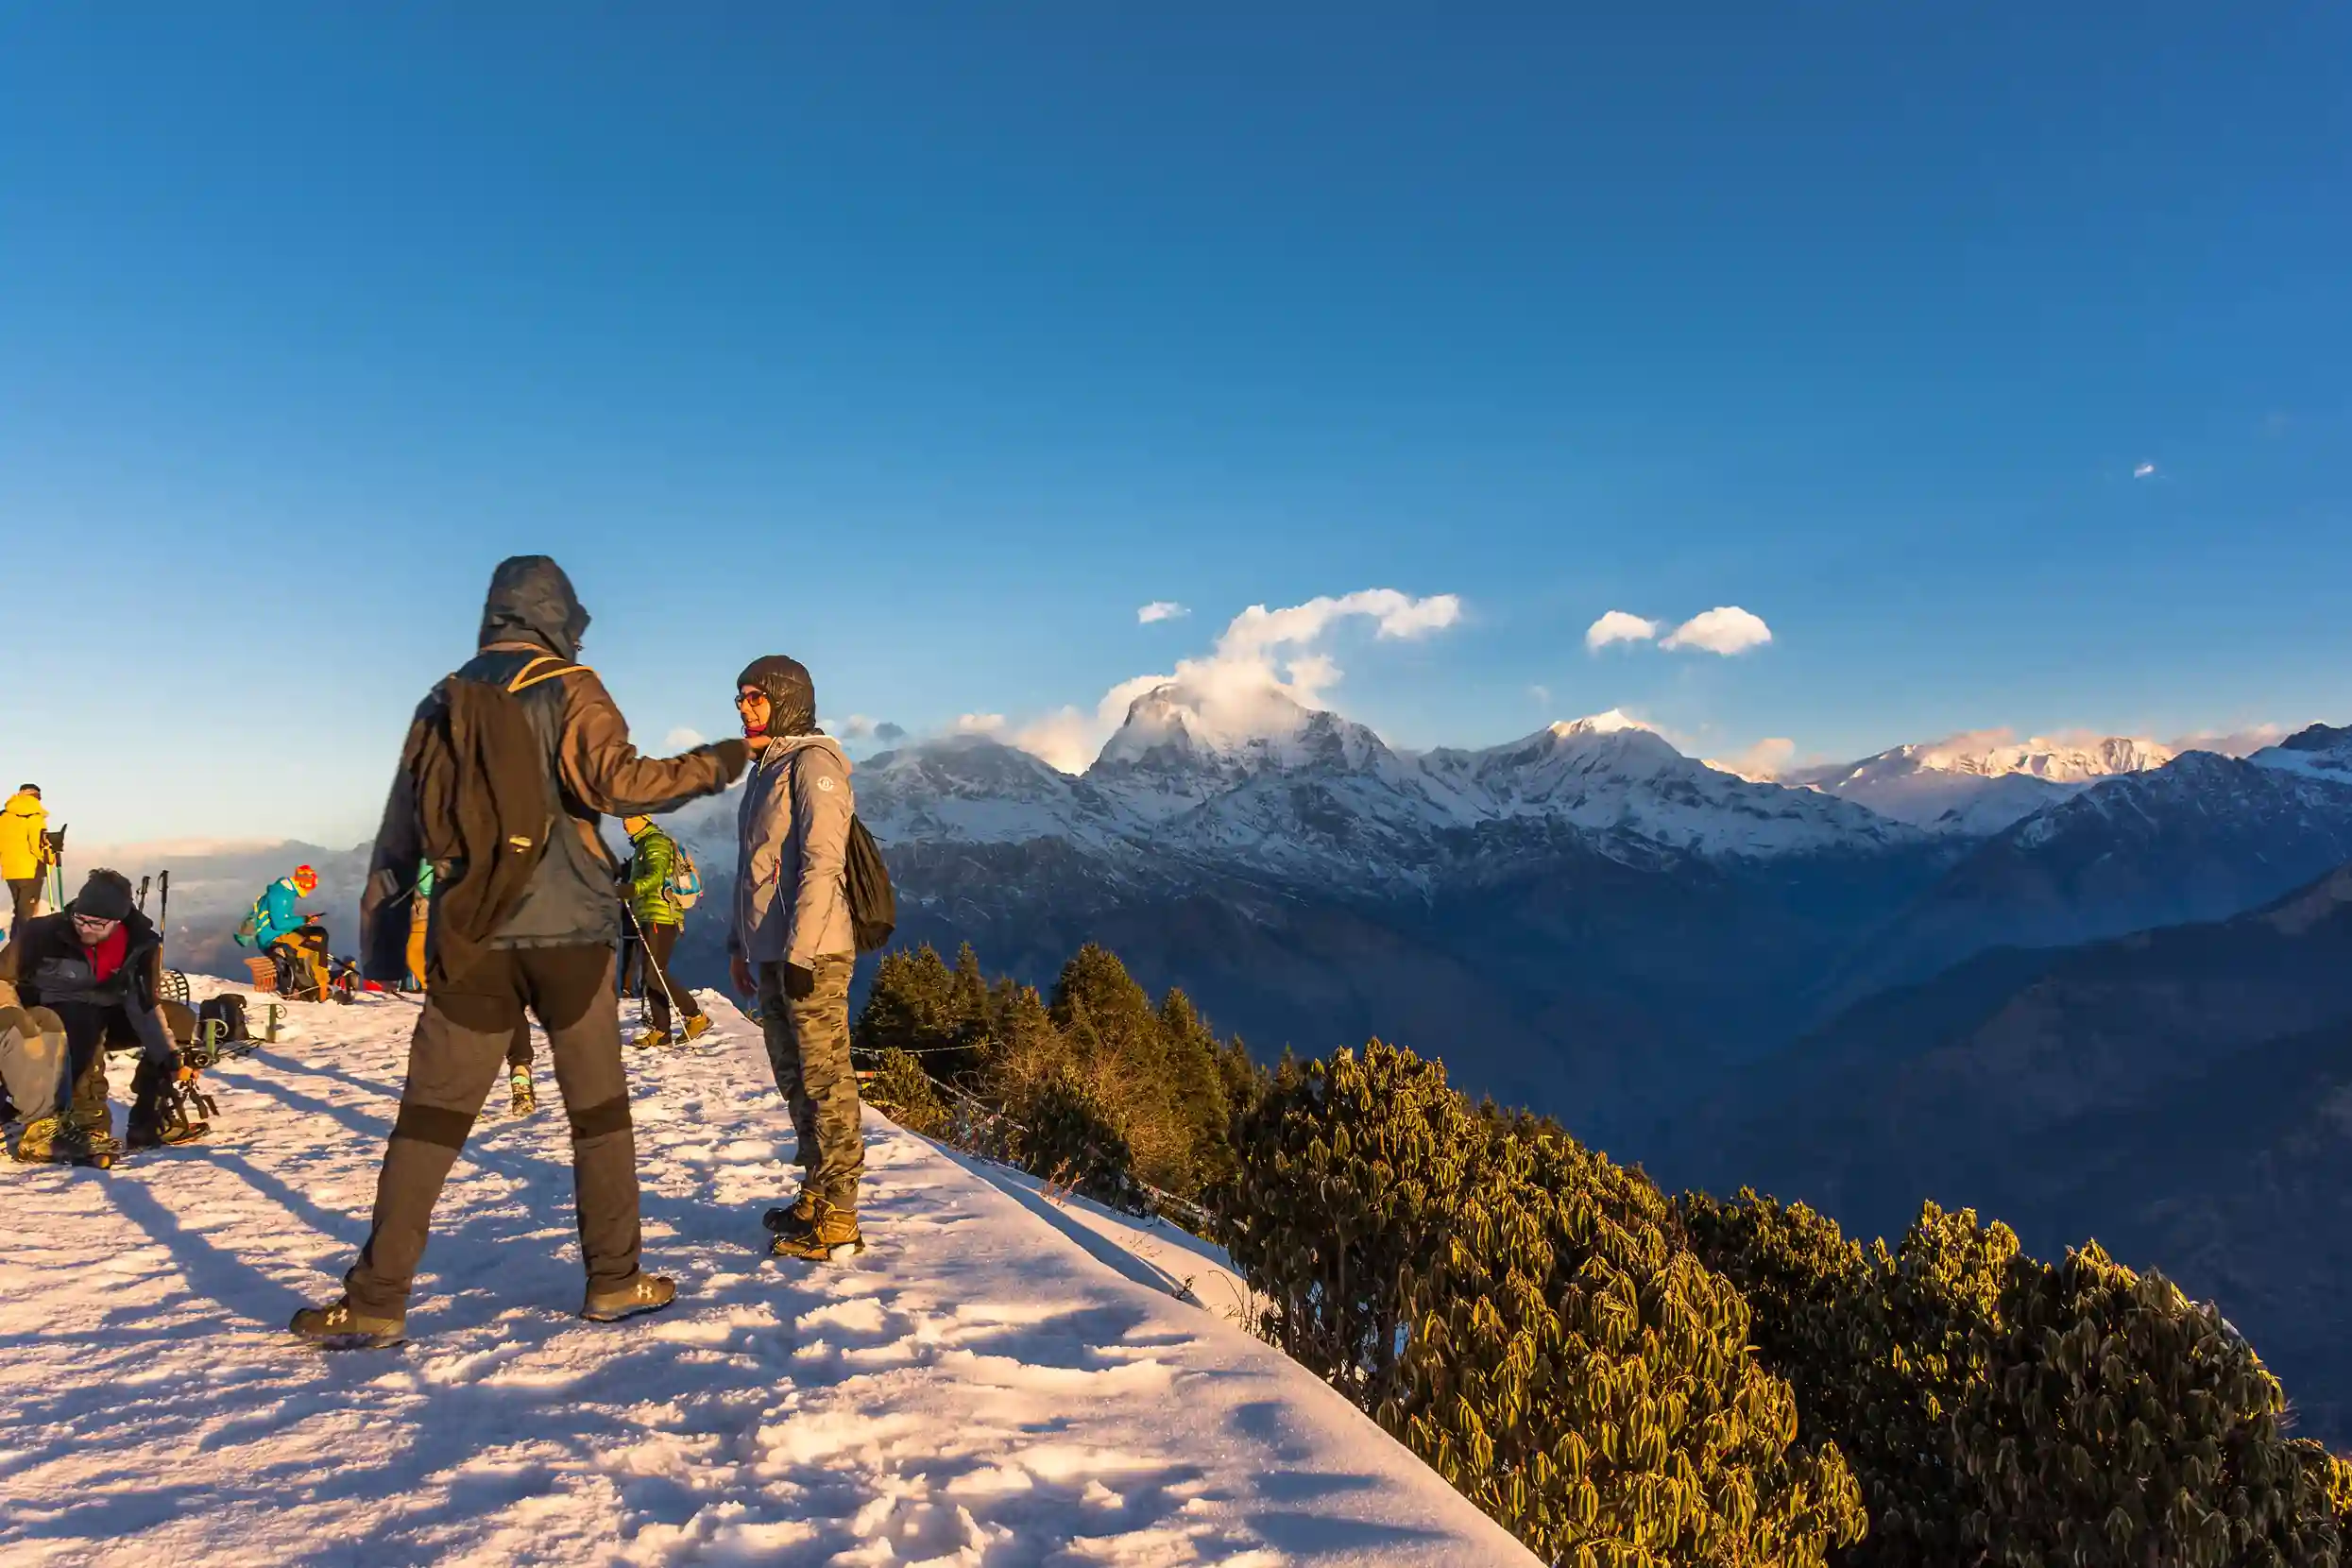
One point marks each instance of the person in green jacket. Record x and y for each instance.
(655, 919)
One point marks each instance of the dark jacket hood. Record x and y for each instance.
(531, 601)
(792, 694)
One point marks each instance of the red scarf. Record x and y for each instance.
(107, 956)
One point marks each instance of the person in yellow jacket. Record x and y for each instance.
(23, 850)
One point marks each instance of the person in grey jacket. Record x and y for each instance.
(793, 943)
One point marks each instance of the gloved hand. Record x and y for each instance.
(800, 984)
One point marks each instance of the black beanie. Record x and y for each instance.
(105, 897)
(792, 695)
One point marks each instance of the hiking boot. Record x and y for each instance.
(339, 1325)
(646, 1293)
(795, 1217)
(38, 1141)
(654, 1037)
(697, 1027)
(522, 1099)
(831, 1236)
(163, 1134)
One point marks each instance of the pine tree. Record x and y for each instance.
(1196, 1077)
(1120, 1055)
(909, 1006)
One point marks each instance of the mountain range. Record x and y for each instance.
(2184, 1094)
(1583, 919)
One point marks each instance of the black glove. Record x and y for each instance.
(800, 984)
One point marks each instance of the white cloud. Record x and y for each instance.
(2233, 742)
(858, 726)
(2145, 470)
(1542, 695)
(1618, 627)
(1068, 739)
(1760, 763)
(1264, 666)
(1160, 610)
(682, 739)
(1726, 629)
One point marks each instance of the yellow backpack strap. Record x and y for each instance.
(536, 670)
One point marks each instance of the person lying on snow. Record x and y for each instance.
(69, 982)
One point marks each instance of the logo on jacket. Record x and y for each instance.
(825, 784)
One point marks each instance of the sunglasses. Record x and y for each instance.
(99, 924)
(744, 699)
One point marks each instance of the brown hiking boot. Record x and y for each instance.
(643, 1294)
(832, 1235)
(38, 1141)
(339, 1325)
(794, 1219)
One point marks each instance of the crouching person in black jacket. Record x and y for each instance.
(69, 982)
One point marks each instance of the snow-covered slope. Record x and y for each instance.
(2321, 751)
(998, 1379)
(1971, 788)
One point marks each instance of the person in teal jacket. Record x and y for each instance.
(286, 933)
(656, 920)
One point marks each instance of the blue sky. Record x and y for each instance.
(929, 343)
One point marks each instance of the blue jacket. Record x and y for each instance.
(277, 913)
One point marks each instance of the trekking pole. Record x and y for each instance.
(660, 971)
(143, 895)
(164, 910)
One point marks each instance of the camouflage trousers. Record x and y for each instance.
(809, 1050)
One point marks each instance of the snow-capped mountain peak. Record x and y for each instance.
(1611, 723)
(1972, 786)
(2058, 761)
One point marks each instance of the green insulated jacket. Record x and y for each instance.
(649, 879)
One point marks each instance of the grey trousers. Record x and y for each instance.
(454, 1057)
(809, 1051)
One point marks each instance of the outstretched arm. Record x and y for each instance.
(606, 774)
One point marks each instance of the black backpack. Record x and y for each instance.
(873, 907)
(228, 1007)
(485, 811)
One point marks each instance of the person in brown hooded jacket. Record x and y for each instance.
(552, 952)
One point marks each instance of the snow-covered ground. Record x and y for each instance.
(1001, 1380)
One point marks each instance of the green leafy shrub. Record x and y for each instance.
(2331, 1481)
(1520, 1312)
(2120, 1423)
(1354, 1167)
(1587, 1380)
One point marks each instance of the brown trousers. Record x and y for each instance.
(462, 1039)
